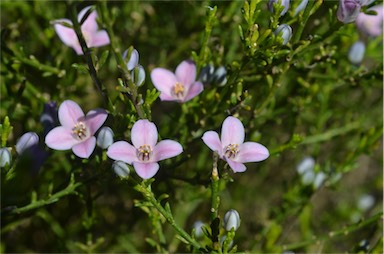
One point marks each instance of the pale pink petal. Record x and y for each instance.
(144, 133)
(166, 149)
(67, 35)
(70, 113)
(99, 39)
(211, 139)
(194, 90)
(236, 166)
(60, 138)
(95, 119)
(163, 80)
(90, 23)
(146, 170)
(186, 73)
(252, 152)
(122, 151)
(166, 97)
(232, 131)
(85, 149)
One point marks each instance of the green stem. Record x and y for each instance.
(333, 234)
(215, 188)
(69, 190)
(302, 21)
(148, 195)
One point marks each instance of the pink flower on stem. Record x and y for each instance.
(92, 36)
(180, 86)
(232, 148)
(77, 130)
(145, 151)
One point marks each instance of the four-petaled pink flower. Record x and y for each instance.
(93, 37)
(145, 153)
(180, 86)
(232, 148)
(77, 130)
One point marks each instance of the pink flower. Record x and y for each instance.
(144, 153)
(232, 148)
(77, 131)
(181, 86)
(371, 25)
(93, 37)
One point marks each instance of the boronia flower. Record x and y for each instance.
(180, 86)
(145, 151)
(77, 130)
(93, 37)
(232, 148)
(348, 10)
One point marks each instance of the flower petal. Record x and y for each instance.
(60, 138)
(232, 131)
(70, 113)
(95, 119)
(144, 133)
(122, 151)
(211, 139)
(186, 73)
(99, 39)
(166, 149)
(67, 35)
(194, 90)
(236, 166)
(146, 170)
(163, 80)
(90, 23)
(252, 152)
(85, 149)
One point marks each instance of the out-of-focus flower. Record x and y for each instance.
(231, 220)
(180, 86)
(49, 117)
(77, 130)
(91, 33)
(145, 151)
(356, 52)
(365, 202)
(285, 32)
(232, 148)
(348, 10)
(210, 75)
(284, 3)
(26, 141)
(105, 137)
(372, 24)
(301, 7)
(198, 226)
(306, 169)
(121, 169)
(5, 157)
(319, 180)
(137, 71)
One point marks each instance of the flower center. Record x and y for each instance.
(80, 131)
(178, 90)
(231, 150)
(144, 152)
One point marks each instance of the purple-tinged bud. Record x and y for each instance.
(348, 10)
(301, 7)
(231, 220)
(285, 32)
(284, 3)
(356, 52)
(138, 75)
(121, 169)
(133, 60)
(5, 157)
(105, 137)
(371, 25)
(206, 74)
(220, 76)
(26, 141)
(49, 117)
